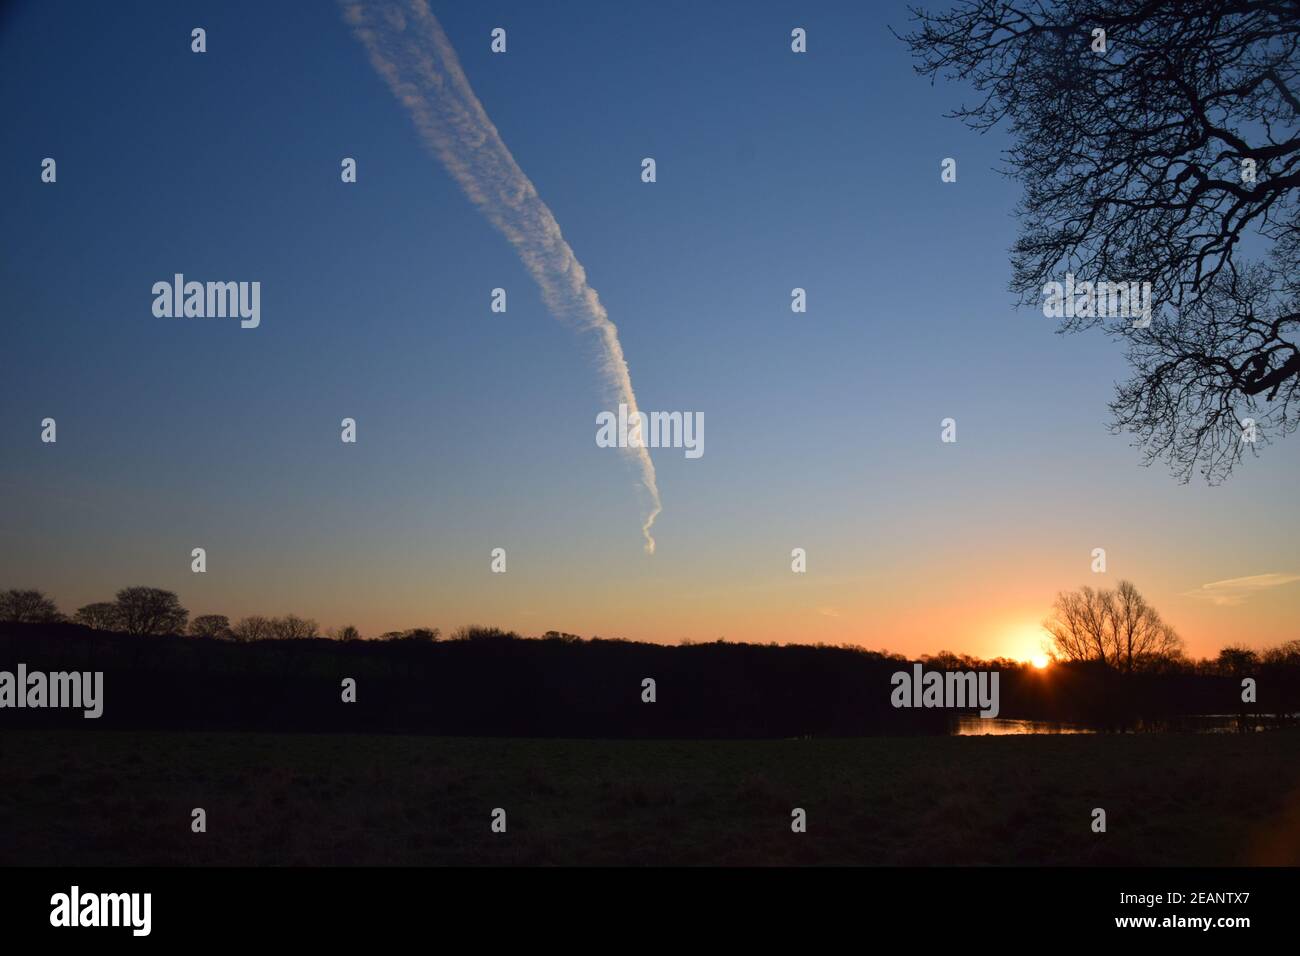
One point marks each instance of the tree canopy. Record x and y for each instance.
(1169, 155)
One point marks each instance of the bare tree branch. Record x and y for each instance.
(1161, 160)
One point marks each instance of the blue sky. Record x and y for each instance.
(476, 430)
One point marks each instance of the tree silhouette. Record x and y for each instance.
(1118, 629)
(292, 628)
(425, 635)
(1168, 158)
(1237, 661)
(102, 616)
(252, 628)
(477, 632)
(210, 625)
(150, 611)
(1287, 654)
(27, 606)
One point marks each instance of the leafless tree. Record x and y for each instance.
(1117, 628)
(251, 628)
(102, 616)
(27, 606)
(210, 625)
(150, 611)
(1284, 655)
(1079, 626)
(1139, 633)
(293, 628)
(478, 632)
(1172, 158)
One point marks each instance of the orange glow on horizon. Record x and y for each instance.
(1027, 642)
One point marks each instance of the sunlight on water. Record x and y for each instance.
(997, 726)
(971, 726)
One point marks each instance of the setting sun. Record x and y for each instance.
(1026, 641)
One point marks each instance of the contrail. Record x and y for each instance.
(409, 49)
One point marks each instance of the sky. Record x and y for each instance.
(476, 430)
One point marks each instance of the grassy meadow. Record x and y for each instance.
(119, 798)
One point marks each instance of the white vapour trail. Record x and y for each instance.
(409, 49)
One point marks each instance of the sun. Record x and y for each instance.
(1025, 641)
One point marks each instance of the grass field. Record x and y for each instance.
(79, 798)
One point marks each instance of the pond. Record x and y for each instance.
(967, 725)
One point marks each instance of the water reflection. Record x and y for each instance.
(971, 725)
(965, 726)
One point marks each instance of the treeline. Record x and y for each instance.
(491, 683)
(153, 611)
(166, 670)
(1115, 630)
